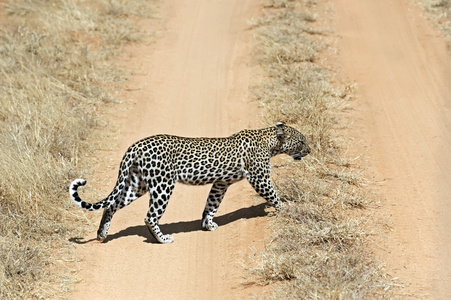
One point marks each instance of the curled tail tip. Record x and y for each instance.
(78, 201)
(73, 191)
(77, 182)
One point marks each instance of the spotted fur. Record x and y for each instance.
(156, 163)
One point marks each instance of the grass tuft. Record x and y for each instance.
(440, 13)
(56, 70)
(318, 250)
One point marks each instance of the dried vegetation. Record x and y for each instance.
(440, 12)
(318, 250)
(55, 71)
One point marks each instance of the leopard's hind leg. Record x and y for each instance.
(133, 187)
(159, 198)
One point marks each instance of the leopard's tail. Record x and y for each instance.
(77, 200)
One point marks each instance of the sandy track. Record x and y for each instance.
(404, 76)
(194, 82)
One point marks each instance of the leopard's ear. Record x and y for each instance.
(279, 126)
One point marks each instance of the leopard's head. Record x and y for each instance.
(291, 142)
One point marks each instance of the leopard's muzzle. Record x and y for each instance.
(299, 156)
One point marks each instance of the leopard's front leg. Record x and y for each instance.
(215, 197)
(263, 186)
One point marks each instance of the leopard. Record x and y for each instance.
(155, 164)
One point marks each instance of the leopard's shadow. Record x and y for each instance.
(185, 226)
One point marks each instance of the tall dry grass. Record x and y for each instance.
(440, 13)
(56, 71)
(318, 250)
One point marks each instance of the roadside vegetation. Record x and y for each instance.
(319, 248)
(55, 73)
(440, 12)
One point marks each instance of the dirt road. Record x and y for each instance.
(403, 72)
(194, 81)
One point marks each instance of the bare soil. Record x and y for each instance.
(194, 81)
(403, 72)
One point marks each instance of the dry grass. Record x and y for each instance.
(55, 73)
(319, 248)
(440, 12)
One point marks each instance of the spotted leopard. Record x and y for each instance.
(156, 163)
